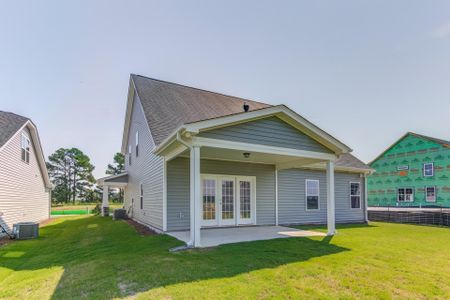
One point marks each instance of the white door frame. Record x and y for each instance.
(252, 219)
(236, 221)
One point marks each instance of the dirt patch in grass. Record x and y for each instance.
(141, 229)
(5, 240)
(45, 222)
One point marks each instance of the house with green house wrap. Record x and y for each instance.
(414, 171)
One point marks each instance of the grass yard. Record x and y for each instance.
(97, 258)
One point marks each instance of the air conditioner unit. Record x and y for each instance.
(26, 230)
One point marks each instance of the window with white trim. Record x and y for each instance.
(129, 155)
(312, 194)
(355, 194)
(142, 197)
(430, 193)
(137, 143)
(428, 169)
(405, 195)
(25, 146)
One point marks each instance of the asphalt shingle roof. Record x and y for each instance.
(10, 123)
(168, 105)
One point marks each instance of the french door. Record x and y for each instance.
(228, 200)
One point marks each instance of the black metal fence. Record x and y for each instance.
(425, 216)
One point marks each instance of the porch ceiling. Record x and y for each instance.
(254, 157)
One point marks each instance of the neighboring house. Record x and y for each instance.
(198, 159)
(24, 183)
(414, 171)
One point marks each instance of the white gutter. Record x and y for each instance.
(178, 138)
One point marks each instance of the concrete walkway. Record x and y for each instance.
(217, 236)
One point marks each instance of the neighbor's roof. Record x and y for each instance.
(439, 141)
(10, 123)
(168, 105)
(347, 160)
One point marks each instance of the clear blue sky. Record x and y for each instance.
(365, 71)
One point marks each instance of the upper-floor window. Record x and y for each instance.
(405, 195)
(25, 147)
(129, 155)
(355, 194)
(142, 196)
(428, 169)
(137, 143)
(312, 194)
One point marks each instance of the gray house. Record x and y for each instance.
(198, 159)
(25, 187)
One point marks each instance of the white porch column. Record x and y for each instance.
(105, 200)
(330, 199)
(195, 196)
(366, 208)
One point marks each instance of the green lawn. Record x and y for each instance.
(97, 258)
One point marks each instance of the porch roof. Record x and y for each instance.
(119, 180)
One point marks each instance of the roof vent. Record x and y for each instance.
(246, 107)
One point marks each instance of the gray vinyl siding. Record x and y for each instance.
(178, 188)
(270, 132)
(23, 196)
(292, 197)
(147, 169)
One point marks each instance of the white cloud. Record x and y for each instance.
(442, 31)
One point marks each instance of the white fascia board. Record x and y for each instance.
(175, 152)
(319, 166)
(207, 142)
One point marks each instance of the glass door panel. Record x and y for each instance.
(227, 202)
(209, 196)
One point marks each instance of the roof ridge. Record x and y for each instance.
(198, 89)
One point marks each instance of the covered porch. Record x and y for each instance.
(217, 236)
(223, 195)
(118, 181)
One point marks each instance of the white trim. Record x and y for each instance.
(281, 111)
(175, 152)
(164, 194)
(306, 195)
(276, 196)
(350, 194)
(101, 181)
(434, 188)
(432, 169)
(215, 143)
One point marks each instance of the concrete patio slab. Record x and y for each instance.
(217, 236)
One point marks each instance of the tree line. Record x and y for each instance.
(70, 171)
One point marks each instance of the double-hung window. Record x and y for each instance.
(25, 147)
(142, 196)
(430, 193)
(355, 194)
(137, 143)
(428, 170)
(312, 194)
(405, 195)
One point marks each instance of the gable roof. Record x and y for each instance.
(10, 123)
(435, 140)
(168, 105)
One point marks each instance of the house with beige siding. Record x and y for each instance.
(25, 187)
(196, 159)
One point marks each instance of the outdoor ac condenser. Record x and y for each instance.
(26, 230)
